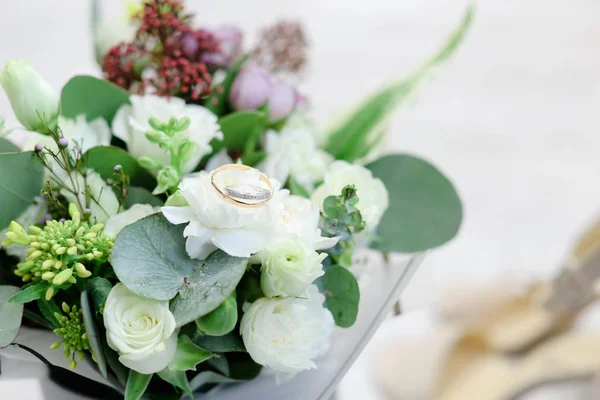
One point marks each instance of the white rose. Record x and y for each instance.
(371, 192)
(288, 267)
(131, 124)
(141, 330)
(287, 334)
(215, 223)
(116, 223)
(80, 133)
(103, 202)
(300, 218)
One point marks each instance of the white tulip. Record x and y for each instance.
(116, 223)
(288, 267)
(34, 102)
(372, 194)
(287, 334)
(131, 124)
(141, 330)
(215, 223)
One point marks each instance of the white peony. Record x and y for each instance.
(116, 223)
(80, 133)
(289, 267)
(216, 223)
(287, 334)
(141, 330)
(371, 192)
(131, 124)
(102, 202)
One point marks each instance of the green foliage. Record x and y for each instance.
(232, 342)
(30, 293)
(21, 179)
(242, 366)
(48, 308)
(178, 379)
(93, 97)
(94, 336)
(342, 294)
(425, 210)
(137, 195)
(208, 377)
(218, 101)
(10, 315)
(72, 330)
(136, 385)
(296, 188)
(103, 160)
(188, 355)
(98, 288)
(221, 320)
(356, 134)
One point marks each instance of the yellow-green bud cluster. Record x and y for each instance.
(72, 330)
(60, 251)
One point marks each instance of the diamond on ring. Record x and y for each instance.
(247, 192)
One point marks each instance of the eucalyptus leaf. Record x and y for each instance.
(6, 146)
(176, 378)
(232, 342)
(21, 179)
(93, 97)
(425, 210)
(10, 316)
(103, 160)
(354, 135)
(342, 295)
(98, 288)
(31, 293)
(93, 333)
(136, 385)
(137, 195)
(188, 355)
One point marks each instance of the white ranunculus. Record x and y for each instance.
(216, 223)
(300, 218)
(31, 216)
(116, 223)
(103, 202)
(33, 100)
(80, 134)
(131, 124)
(371, 192)
(287, 334)
(141, 330)
(289, 267)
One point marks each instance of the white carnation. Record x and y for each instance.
(371, 192)
(116, 223)
(287, 334)
(131, 125)
(215, 223)
(141, 330)
(288, 267)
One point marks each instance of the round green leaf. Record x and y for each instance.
(342, 295)
(425, 210)
(93, 333)
(103, 159)
(93, 97)
(10, 316)
(137, 195)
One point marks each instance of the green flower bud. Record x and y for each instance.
(156, 124)
(182, 124)
(187, 150)
(149, 163)
(155, 136)
(220, 321)
(17, 234)
(167, 178)
(62, 277)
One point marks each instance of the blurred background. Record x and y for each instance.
(512, 119)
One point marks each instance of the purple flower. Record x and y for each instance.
(251, 87)
(230, 47)
(39, 147)
(62, 142)
(117, 168)
(282, 101)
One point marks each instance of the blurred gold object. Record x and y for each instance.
(241, 194)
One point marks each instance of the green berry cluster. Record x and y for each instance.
(59, 252)
(72, 330)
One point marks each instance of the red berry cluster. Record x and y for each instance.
(166, 45)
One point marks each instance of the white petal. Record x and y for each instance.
(155, 362)
(198, 247)
(178, 215)
(324, 243)
(238, 243)
(119, 124)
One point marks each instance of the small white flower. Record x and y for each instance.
(33, 100)
(371, 192)
(78, 132)
(116, 223)
(287, 334)
(103, 202)
(288, 267)
(215, 223)
(141, 330)
(131, 124)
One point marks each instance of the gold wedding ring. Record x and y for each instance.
(242, 194)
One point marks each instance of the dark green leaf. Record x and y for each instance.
(188, 355)
(218, 102)
(137, 195)
(112, 359)
(242, 366)
(31, 293)
(177, 379)
(206, 377)
(98, 288)
(21, 179)
(353, 136)
(229, 343)
(48, 308)
(10, 316)
(342, 295)
(425, 210)
(103, 159)
(219, 363)
(240, 126)
(93, 334)
(93, 97)
(136, 385)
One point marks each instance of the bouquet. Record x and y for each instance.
(179, 224)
